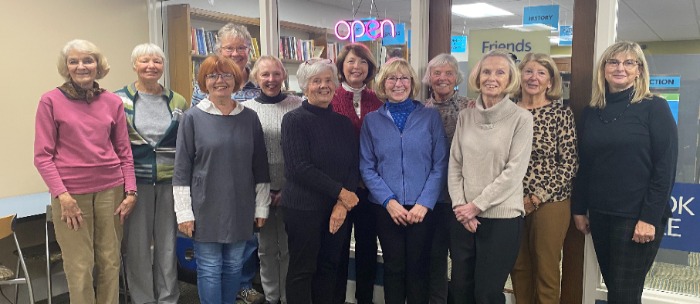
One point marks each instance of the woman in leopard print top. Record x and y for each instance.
(547, 184)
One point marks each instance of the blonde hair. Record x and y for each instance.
(256, 68)
(514, 77)
(392, 66)
(82, 46)
(641, 83)
(553, 93)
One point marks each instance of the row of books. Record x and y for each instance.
(203, 43)
(293, 48)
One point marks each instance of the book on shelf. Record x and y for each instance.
(203, 41)
(332, 50)
(293, 48)
(254, 52)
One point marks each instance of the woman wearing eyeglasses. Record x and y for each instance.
(221, 175)
(403, 161)
(628, 151)
(320, 165)
(488, 160)
(233, 41)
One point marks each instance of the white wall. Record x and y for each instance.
(33, 33)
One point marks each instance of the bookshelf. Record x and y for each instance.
(185, 51)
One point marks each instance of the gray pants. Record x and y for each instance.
(274, 257)
(152, 278)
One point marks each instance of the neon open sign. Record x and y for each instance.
(364, 30)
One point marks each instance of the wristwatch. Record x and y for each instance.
(132, 193)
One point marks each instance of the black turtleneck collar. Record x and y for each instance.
(264, 99)
(622, 96)
(316, 110)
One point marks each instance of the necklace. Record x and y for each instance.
(605, 121)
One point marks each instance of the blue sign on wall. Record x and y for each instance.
(566, 35)
(545, 14)
(399, 39)
(683, 228)
(664, 82)
(459, 44)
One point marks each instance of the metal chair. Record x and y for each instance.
(7, 228)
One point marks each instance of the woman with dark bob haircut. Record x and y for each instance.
(221, 175)
(354, 99)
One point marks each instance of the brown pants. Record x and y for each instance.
(96, 245)
(536, 276)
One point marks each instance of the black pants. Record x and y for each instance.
(438, 252)
(315, 255)
(406, 252)
(365, 224)
(623, 263)
(481, 261)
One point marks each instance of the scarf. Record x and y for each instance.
(75, 92)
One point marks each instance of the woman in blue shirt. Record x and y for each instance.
(403, 161)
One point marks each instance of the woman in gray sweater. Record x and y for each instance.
(488, 160)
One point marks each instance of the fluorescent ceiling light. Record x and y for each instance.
(479, 10)
(530, 27)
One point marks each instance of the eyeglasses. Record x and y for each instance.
(322, 60)
(214, 76)
(403, 79)
(241, 49)
(628, 64)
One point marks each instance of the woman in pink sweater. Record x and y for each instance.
(82, 151)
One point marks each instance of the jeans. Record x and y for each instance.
(251, 264)
(219, 267)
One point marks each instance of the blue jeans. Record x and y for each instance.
(251, 263)
(219, 266)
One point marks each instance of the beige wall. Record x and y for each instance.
(33, 32)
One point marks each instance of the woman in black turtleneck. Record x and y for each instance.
(628, 151)
(268, 74)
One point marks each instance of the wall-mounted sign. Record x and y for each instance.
(458, 44)
(398, 39)
(364, 29)
(566, 35)
(668, 87)
(545, 14)
(683, 229)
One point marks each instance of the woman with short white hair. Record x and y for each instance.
(82, 151)
(152, 114)
(321, 170)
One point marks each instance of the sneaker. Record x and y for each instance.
(251, 296)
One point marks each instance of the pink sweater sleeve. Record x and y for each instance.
(45, 147)
(122, 146)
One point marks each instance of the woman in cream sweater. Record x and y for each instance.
(488, 160)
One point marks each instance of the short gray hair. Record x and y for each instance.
(82, 46)
(314, 66)
(440, 60)
(234, 31)
(145, 49)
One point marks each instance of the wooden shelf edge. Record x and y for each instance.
(199, 13)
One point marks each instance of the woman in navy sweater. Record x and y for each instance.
(320, 165)
(628, 152)
(403, 161)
